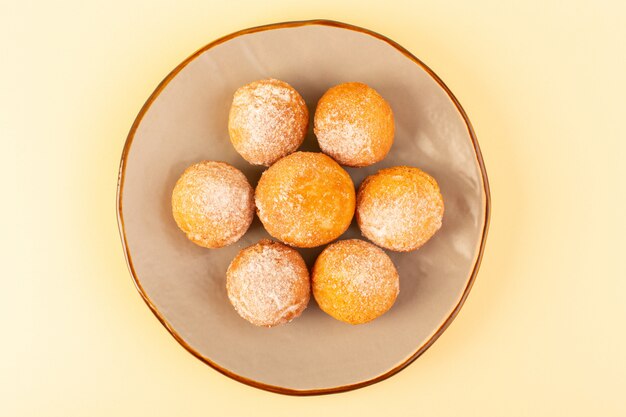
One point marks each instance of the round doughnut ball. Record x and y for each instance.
(213, 203)
(399, 208)
(354, 125)
(268, 283)
(355, 281)
(305, 199)
(268, 119)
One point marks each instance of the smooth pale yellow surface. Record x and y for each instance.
(543, 331)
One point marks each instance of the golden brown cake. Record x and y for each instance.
(213, 203)
(305, 199)
(268, 119)
(268, 283)
(355, 281)
(354, 124)
(399, 208)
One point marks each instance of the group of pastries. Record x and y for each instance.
(306, 199)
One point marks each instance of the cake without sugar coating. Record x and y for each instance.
(355, 281)
(268, 284)
(268, 119)
(354, 125)
(213, 203)
(305, 199)
(399, 208)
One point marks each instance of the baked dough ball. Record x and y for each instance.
(213, 203)
(399, 208)
(268, 120)
(354, 125)
(268, 283)
(305, 199)
(354, 281)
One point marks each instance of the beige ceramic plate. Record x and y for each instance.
(185, 121)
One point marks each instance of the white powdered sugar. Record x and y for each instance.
(345, 137)
(366, 271)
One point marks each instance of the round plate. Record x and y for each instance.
(185, 121)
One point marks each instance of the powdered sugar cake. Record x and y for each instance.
(354, 281)
(354, 124)
(305, 199)
(399, 208)
(268, 283)
(268, 119)
(186, 121)
(212, 203)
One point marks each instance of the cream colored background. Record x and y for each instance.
(542, 332)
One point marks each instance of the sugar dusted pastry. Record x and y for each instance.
(213, 204)
(354, 124)
(268, 283)
(305, 199)
(268, 119)
(399, 208)
(355, 281)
